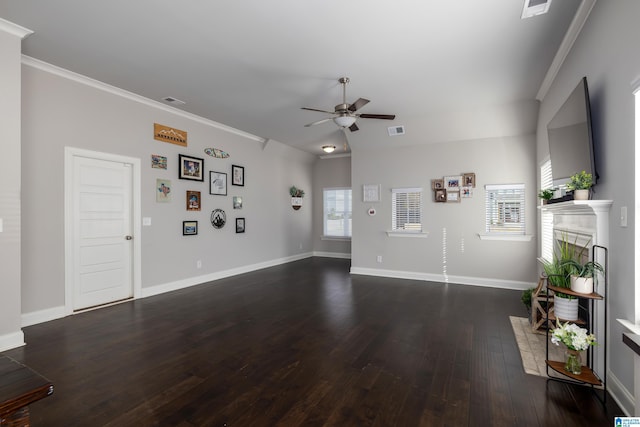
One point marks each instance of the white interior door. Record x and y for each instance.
(101, 235)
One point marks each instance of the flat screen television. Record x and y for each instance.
(571, 147)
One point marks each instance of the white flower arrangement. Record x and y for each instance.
(573, 336)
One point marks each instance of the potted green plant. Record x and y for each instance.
(580, 183)
(296, 197)
(582, 275)
(526, 298)
(545, 195)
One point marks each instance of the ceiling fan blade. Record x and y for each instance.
(320, 111)
(318, 122)
(360, 102)
(354, 127)
(378, 116)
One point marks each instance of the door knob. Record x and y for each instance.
(128, 237)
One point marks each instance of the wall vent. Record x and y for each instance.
(535, 7)
(395, 130)
(173, 101)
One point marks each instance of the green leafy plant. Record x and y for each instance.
(587, 269)
(580, 181)
(559, 269)
(526, 297)
(546, 194)
(296, 192)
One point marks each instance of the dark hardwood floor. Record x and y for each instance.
(302, 344)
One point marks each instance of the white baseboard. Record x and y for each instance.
(621, 395)
(13, 340)
(41, 316)
(332, 255)
(430, 277)
(198, 280)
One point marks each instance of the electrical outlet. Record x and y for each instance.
(198, 264)
(379, 258)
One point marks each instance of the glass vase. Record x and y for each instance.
(573, 362)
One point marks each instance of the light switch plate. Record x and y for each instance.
(146, 221)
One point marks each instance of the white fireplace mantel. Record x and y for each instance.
(574, 216)
(579, 207)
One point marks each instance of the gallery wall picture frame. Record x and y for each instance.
(237, 175)
(453, 182)
(240, 225)
(217, 183)
(191, 168)
(466, 192)
(440, 195)
(371, 193)
(469, 179)
(189, 228)
(437, 184)
(237, 202)
(158, 162)
(163, 190)
(453, 196)
(218, 218)
(194, 200)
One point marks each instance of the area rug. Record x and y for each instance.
(532, 348)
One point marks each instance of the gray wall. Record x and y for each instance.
(452, 251)
(606, 52)
(329, 173)
(59, 112)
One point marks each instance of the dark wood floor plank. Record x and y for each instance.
(301, 344)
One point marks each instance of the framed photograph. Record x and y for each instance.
(437, 184)
(466, 192)
(237, 174)
(189, 228)
(469, 180)
(191, 168)
(158, 162)
(218, 183)
(239, 225)
(453, 196)
(440, 195)
(453, 182)
(163, 190)
(193, 200)
(371, 193)
(237, 202)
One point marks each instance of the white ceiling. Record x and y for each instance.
(251, 64)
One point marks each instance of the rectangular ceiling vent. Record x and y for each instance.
(173, 101)
(395, 130)
(535, 7)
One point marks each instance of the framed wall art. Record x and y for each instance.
(163, 190)
(189, 228)
(158, 162)
(240, 225)
(191, 168)
(237, 175)
(437, 184)
(371, 193)
(237, 202)
(218, 183)
(453, 196)
(469, 180)
(193, 200)
(440, 195)
(466, 192)
(453, 182)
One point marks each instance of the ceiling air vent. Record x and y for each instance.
(395, 130)
(173, 101)
(535, 7)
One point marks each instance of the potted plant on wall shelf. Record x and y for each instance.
(582, 275)
(580, 183)
(296, 197)
(545, 195)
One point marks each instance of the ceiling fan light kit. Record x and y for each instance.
(328, 148)
(345, 115)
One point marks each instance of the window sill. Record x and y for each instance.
(336, 238)
(506, 237)
(419, 234)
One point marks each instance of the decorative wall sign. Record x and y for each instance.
(371, 193)
(193, 200)
(163, 190)
(158, 162)
(237, 202)
(216, 152)
(218, 218)
(191, 168)
(189, 228)
(218, 183)
(167, 134)
(240, 225)
(237, 174)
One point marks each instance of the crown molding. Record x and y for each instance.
(565, 47)
(79, 78)
(14, 29)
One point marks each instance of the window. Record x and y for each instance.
(406, 209)
(546, 218)
(337, 212)
(504, 205)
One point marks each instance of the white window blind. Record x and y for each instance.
(406, 209)
(546, 218)
(504, 207)
(337, 212)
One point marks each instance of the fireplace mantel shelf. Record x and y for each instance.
(578, 207)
